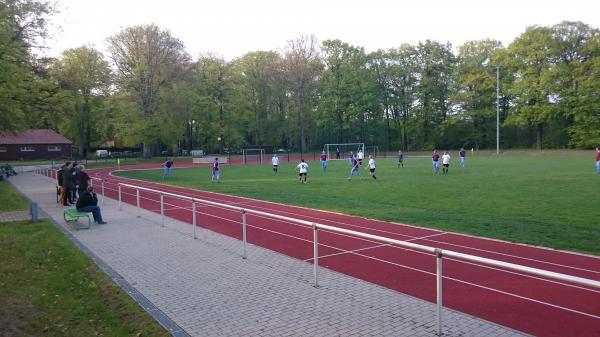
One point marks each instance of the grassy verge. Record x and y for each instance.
(11, 200)
(549, 201)
(50, 288)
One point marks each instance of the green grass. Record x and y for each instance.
(11, 200)
(546, 201)
(50, 288)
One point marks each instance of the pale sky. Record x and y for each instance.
(231, 28)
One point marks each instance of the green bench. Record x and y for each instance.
(72, 216)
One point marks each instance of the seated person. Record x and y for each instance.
(88, 202)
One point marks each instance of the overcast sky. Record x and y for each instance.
(231, 28)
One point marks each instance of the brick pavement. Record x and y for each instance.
(207, 289)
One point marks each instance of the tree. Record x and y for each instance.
(475, 90)
(147, 60)
(257, 79)
(22, 27)
(529, 59)
(301, 67)
(83, 74)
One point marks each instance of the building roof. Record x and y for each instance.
(33, 136)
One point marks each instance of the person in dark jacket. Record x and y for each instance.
(88, 202)
(65, 184)
(73, 177)
(83, 180)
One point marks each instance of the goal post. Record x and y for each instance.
(341, 151)
(253, 156)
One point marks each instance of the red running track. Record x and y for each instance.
(529, 304)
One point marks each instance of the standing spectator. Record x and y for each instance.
(354, 169)
(445, 162)
(371, 167)
(83, 180)
(400, 158)
(275, 162)
(597, 159)
(73, 177)
(88, 202)
(337, 153)
(302, 171)
(67, 184)
(360, 156)
(61, 185)
(435, 161)
(168, 167)
(461, 155)
(216, 173)
(324, 161)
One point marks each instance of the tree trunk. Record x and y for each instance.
(538, 136)
(301, 113)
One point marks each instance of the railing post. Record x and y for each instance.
(438, 255)
(137, 200)
(120, 209)
(102, 187)
(194, 217)
(162, 208)
(315, 255)
(244, 232)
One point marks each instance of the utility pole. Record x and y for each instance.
(497, 110)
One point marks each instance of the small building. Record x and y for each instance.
(34, 144)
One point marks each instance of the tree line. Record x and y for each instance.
(148, 91)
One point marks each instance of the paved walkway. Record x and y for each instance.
(207, 289)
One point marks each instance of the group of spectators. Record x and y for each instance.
(74, 183)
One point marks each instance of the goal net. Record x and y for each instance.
(253, 156)
(342, 151)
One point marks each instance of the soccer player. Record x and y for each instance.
(445, 162)
(216, 174)
(461, 155)
(275, 162)
(337, 153)
(168, 168)
(360, 156)
(371, 167)
(354, 169)
(302, 171)
(597, 159)
(400, 158)
(324, 161)
(435, 161)
(351, 158)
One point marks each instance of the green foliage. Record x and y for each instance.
(83, 76)
(22, 25)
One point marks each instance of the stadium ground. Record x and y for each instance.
(552, 308)
(545, 201)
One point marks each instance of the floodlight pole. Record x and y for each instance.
(497, 110)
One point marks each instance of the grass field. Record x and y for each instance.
(10, 199)
(546, 201)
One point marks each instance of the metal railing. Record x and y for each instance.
(438, 253)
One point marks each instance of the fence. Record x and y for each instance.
(437, 253)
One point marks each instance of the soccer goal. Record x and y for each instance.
(341, 151)
(373, 150)
(253, 156)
